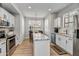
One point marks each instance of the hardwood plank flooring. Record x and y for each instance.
(25, 49)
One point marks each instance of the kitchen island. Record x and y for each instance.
(41, 44)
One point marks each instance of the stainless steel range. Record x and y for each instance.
(10, 45)
(10, 42)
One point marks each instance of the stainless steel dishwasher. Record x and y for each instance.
(53, 38)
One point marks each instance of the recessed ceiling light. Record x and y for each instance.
(29, 7)
(49, 9)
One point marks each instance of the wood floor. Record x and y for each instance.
(25, 49)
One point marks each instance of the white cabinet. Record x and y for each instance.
(65, 42)
(69, 46)
(59, 22)
(6, 16)
(11, 20)
(41, 45)
(2, 12)
(41, 48)
(58, 40)
(55, 23)
(3, 48)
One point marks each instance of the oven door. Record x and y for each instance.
(10, 43)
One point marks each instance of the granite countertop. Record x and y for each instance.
(63, 34)
(40, 36)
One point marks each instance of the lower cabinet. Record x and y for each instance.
(3, 49)
(58, 40)
(65, 42)
(41, 48)
(69, 46)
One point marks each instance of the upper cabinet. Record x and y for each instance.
(1, 12)
(57, 22)
(65, 20)
(7, 17)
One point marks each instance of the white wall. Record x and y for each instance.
(48, 29)
(19, 25)
(26, 26)
(17, 28)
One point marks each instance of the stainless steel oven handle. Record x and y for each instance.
(11, 38)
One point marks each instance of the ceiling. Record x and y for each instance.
(39, 9)
(9, 7)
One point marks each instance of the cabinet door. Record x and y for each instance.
(3, 49)
(55, 23)
(63, 42)
(59, 22)
(58, 40)
(1, 13)
(11, 20)
(69, 46)
(41, 48)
